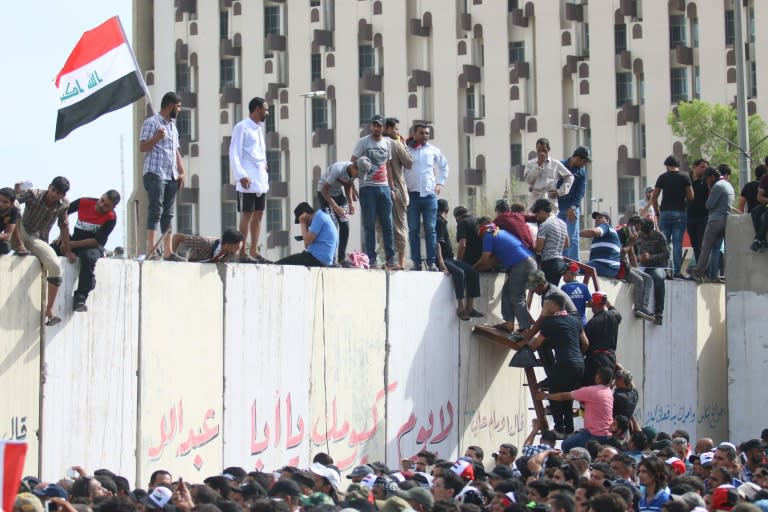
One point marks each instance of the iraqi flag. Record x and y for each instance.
(12, 455)
(99, 76)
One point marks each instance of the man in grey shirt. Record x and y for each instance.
(718, 205)
(375, 192)
(551, 239)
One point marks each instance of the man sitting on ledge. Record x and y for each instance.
(320, 238)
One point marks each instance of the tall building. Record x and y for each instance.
(490, 76)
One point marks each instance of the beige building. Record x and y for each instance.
(491, 76)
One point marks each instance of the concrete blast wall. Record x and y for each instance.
(747, 312)
(193, 367)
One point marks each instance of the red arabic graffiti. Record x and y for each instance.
(172, 426)
(425, 433)
(336, 431)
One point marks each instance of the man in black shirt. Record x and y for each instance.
(697, 211)
(602, 331)
(748, 196)
(464, 276)
(470, 247)
(562, 333)
(676, 188)
(625, 395)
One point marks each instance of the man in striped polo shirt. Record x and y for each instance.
(605, 257)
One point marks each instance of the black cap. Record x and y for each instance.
(303, 207)
(582, 152)
(604, 214)
(377, 119)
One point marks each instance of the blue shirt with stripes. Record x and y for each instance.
(605, 254)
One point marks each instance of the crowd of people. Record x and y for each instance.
(397, 182)
(641, 471)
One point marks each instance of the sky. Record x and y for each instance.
(37, 38)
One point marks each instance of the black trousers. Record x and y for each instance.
(303, 258)
(88, 257)
(564, 378)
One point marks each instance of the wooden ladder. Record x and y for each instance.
(501, 338)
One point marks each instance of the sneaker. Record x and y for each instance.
(433, 268)
(79, 306)
(175, 257)
(658, 319)
(679, 275)
(757, 245)
(644, 314)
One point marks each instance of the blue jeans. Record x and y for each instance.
(572, 251)
(376, 202)
(672, 224)
(425, 209)
(580, 439)
(162, 200)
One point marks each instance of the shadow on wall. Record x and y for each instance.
(20, 292)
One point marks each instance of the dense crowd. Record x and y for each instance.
(647, 471)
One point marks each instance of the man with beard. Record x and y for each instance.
(163, 169)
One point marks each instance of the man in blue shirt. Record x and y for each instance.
(578, 292)
(510, 252)
(570, 203)
(320, 238)
(605, 257)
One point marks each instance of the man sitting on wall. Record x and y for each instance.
(319, 235)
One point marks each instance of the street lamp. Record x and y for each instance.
(308, 128)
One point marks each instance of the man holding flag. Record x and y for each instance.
(163, 170)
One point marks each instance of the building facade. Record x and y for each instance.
(490, 76)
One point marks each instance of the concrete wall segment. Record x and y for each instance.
(21, 290)
(180, 370)
(90, 360)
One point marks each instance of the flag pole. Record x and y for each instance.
(138, 70)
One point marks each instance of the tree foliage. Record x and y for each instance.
(694, 123)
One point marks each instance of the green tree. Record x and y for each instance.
(694, 121)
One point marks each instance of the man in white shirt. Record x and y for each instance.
(248, 161)
(547, 178)
(424, 180)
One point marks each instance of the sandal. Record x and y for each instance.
(52, 320)
(23, 252)
(476, 314)
(462, 315)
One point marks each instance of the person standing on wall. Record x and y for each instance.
(376, 192)
(425, 179)
(248, 161)
(675, 188)
(546, 178)
(697, 210)
(570, 203)
(401, 161)
(163, 170)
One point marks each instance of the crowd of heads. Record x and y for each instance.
(653, 471)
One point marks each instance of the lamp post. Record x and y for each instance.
(307, 128)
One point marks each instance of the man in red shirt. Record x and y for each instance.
(598, 410)
(512, 220)
(95, 221)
